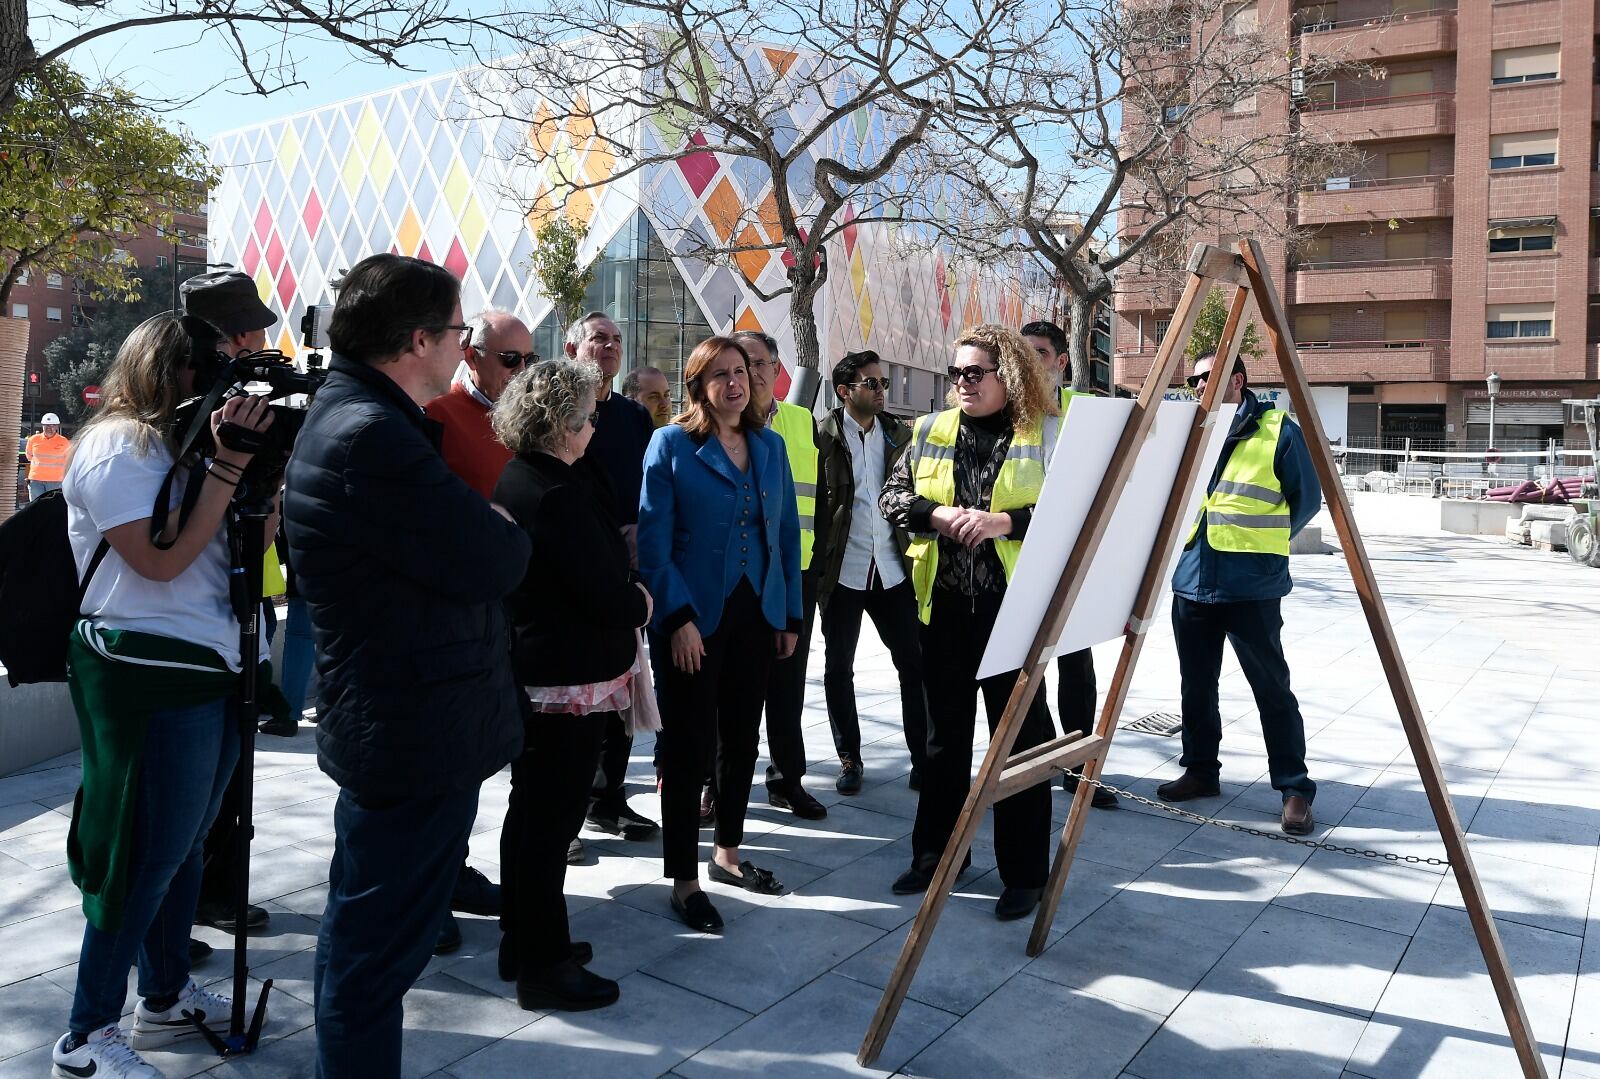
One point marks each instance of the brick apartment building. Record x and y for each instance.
(1467, 240)
(54, 303)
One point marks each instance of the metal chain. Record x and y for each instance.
(1276, 837)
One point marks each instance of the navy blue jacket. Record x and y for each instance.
(404, 569)
(688, 531)
(1206, 575)
(616, 449)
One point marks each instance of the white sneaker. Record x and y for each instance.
(152, 1030)
(106, 1055)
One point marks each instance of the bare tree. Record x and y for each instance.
(826, 106)
(1172, 117)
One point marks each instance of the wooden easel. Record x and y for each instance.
(1002, 774)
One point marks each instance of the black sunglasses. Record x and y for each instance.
(873, 383)
(514, 360)
(970, 375)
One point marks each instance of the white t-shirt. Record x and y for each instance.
(109, 483)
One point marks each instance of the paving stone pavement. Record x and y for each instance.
(1181, 952)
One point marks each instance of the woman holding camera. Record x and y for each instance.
(575, 618)
(719, 549)
(965, 488)
(152, 667)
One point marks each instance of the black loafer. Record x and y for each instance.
(697, 912)
(475, 894)
(1101, 799)
(199, 951)
(582, 954)
(796, 799)
(221, 916)
(575, 852)
(914, 780)
(449, 938)
(749, 878)
(565, 987)
(1017, 903)
(916, 880)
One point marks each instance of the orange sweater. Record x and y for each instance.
(470, 448)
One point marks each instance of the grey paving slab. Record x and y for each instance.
(1376, 894)
(448, 1020)
(1223, 895)
(861, 890)
(1218, 1036)
(30, 893)
(35, 1011)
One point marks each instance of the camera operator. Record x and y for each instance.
(404, 568)
(226, 318)
(152, 669)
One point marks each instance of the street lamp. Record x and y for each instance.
(1493, 385)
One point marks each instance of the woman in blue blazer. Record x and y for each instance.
(719, 549)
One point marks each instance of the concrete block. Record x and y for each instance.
(1475, 517)
(1548, 535)
(39, 724)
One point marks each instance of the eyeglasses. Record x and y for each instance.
(513, 360)
(760, 365)
(594, 418)
(449, 326)
(1194, 382)
(970, 375)
(876, 383)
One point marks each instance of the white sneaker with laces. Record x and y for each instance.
(106, 1055)
(152, 1030)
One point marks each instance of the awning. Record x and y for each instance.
(1498, 229)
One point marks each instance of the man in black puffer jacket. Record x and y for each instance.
(403, 567)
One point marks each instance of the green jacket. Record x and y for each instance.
(118, 678)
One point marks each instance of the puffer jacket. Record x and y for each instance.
(404, 569)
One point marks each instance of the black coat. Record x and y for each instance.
(574, 614)
(403, 568)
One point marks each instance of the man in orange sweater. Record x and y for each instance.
(495, 348)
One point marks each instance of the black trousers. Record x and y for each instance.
(549, 794)
(952, 645)
(221, 848)
(1254, 629)
(713, 713)
(786, 697)
(616, 747)
(894, 614)
(1075, 691)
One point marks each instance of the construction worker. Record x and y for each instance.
(47, 457)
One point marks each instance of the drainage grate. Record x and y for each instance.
(1163, 723)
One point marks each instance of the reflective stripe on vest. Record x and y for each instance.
(933, 471)
(1245, 511)
(793, 425)
(47, 458)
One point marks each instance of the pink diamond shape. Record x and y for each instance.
(849, 231)
(312, 215)
(456, 260)
(698, 169)
(251, 257)
(286, 287)
(263, 222)
(423, 253)
(274, 254)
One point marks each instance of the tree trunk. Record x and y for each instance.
(1080, 325)
(13, 383)
(807, 346)
(16, 50)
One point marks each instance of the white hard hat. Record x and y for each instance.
(51, 417)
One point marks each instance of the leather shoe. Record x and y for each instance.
(475, 894)
(620, 819)
(1297, 818)
(1187, 786)
(914, 780)
(708, 808)
(449, 938)
(915, 880)
(1017, 903)
(790, 795)
(221, 916)
(199, 951)
(575, 851)
(849, 781)
(697, 912)
(1101, 799)
(565, 987)
(582, 954)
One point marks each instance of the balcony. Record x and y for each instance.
(1380, 199)
(1334, 361)
(1386, 37)
(1370, 281)
(1147, 292)
(1367, 119)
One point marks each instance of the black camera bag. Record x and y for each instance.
(40, 594)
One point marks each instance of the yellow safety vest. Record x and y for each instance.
(1245, 511)
(794, 426)
(933, 470)
(47, 457)
(1067, 396)
(273, 583)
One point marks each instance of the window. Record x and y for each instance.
(1240, 19)
(23, 277)
(1522, 149)
(52, 280)
(161, 262)
(77, 315)
(1405, 245)
(1406, 163)
(1404, 329)
(1178, 39)
(1173, 113)
(1411, 84)
(52, 314)
(1314, 17)
(1411, 7)
(1521, 236)
(19, 310)
(1321, 93)
(1316, 250)
(1336, 183)
(1243, 105)
(1161, 329)
(1312, 331)
(1536, 63)
(1509, 320)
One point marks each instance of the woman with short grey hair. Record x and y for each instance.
(574, 619)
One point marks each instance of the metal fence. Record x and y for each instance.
(1461, 468)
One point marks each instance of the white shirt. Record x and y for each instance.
(871, 547)
(108, 483)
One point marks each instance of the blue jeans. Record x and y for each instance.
(298, 654)
(189, 755)
(39, 487)
(395, 863)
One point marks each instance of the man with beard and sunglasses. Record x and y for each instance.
(495, 347)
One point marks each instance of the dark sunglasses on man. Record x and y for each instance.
(970, 375)
(513, 360)
(871, 383)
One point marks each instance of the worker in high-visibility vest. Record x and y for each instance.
(1230, 581)
(965, 489)
(1075, 685)
(786, 684)
(47, 457)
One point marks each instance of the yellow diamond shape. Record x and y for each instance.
(355, 167)
(858, 271)
(866, 316)
(368, 130)
(264, 283)
(288, 150)
(382, 166)
(456, 187)
(473, 224)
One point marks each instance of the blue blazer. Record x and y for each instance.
(688, 554)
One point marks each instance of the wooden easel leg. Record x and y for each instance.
(1383, 637)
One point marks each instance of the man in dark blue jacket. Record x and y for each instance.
(1230, 580)
(403, 567)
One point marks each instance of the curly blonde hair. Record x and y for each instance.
(544, 404)
(1028, 391)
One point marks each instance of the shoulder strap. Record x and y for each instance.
(94, 564)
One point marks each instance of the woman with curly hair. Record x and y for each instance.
(965, 488)
(574, 618)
